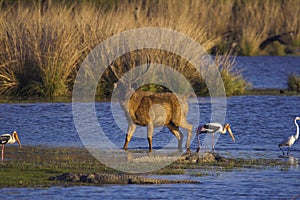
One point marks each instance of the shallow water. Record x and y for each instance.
(259, 123)
(268, 71)
(249, 184)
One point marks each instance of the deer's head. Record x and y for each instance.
(126, 86)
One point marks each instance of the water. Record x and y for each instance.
(268, 72)
(259, 123)
(251, 184)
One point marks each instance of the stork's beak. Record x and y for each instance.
(18, 140)
(231, 134)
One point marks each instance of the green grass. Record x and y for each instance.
(32, 166)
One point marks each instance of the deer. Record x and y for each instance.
(152, 110)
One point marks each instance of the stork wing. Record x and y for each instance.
(4, 138)
(211, 128)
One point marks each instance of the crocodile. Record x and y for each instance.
(106, 178)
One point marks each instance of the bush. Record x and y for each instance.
(233, 81)
(294, 83)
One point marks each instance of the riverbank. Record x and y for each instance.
(68, 99)
(33, 166)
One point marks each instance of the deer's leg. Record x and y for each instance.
(178, 135)
(149, 135)
(130, 132)
(189, 128)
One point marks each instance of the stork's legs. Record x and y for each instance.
(212, 142)
(2, 152)
(288, 151)
(198, 149)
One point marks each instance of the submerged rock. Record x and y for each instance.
(205, 157)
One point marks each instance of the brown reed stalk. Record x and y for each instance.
(43, 45)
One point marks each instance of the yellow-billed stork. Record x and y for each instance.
(291, 139)
(213, 128)
(9, 139)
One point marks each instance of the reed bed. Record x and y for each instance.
(43, 43)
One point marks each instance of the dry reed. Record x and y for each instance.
(43, 44)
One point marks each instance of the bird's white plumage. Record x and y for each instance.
(215, 124)
(288, 141)
(291, 139)
(8, 139)
(213, 128)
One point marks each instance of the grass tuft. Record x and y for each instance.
(294, 83)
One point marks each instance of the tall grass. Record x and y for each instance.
(42, 43)
(41, 49)
(234, 83)
(39, 53)
(255, 21)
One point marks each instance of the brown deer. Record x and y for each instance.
(153, 110)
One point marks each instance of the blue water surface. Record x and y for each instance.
(259, 123)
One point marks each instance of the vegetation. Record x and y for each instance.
(43, 43)
(233, 81)
(294, 83)
(32, 166)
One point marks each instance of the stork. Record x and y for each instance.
(213, 128)
(9, 139)
(291, 139)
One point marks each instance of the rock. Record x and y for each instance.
(205, 157)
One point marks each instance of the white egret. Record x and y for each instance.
(291, 139)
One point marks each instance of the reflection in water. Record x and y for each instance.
(291, 160)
